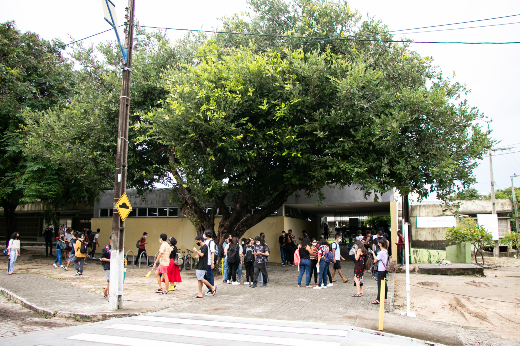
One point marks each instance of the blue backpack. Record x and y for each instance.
(329, 258)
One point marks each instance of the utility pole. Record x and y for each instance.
(514, 201)
(118, 226)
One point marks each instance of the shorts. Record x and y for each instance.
(162, 269)
(200, 274)
(107, 275)
(337, 265)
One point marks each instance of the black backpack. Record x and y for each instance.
(221, 250)
(249, 257)
(83, 247)
(233, 255)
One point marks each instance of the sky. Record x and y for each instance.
(490, 71)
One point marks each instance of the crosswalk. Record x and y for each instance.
(164, 330)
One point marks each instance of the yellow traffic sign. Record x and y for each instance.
(124, 207)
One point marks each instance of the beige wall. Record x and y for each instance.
(183, 230)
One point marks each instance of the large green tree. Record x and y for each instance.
(33, 75)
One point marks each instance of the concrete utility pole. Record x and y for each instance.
(118, 226)
(514, 200)
(496, 252)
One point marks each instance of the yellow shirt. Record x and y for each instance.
(77, 246)
(164, 253)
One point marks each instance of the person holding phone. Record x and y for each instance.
(200, 271)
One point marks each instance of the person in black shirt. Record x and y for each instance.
(281, 241)
(105, 261)
(48, 234)
(200, 271)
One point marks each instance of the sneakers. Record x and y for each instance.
(77, 273)
(317, 287)
(54, 265)
(235, 283)
(247, 283)
(330, 285)
(264, 285)
(253, 286)
(62, 267)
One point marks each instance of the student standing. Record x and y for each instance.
(281, 241)
(314, 260)
(305, 262)
(200, 271)
(249, 260)
(323, 252)
(359, 267)
(212, 249)
(48, 234)
(337, 258)
(105, 261)
(261, 251)
(289, 251)
(142, 249)
(233, 259)
(382, 261)
(79, 256)
(95, 243)
(60, 246)
(164, 261)
(13, 251)
(400, 247)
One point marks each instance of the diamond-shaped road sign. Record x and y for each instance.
(123, 207)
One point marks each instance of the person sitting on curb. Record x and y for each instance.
(105, 261)
(200, 271)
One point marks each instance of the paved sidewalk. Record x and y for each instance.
(280, 300)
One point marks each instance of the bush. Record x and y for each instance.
(468, 230)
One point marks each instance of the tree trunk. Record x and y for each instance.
(9, 220)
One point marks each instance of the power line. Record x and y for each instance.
(513, 152)
(328, 38)
(468, 27)
(469, 21)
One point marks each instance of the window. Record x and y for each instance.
(172, 211)
(152, 211)
(106, 212)
(162, 211)
(142, 212)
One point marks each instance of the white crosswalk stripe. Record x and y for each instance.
(183, 330)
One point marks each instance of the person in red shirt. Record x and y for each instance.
(142, 249)
(400, 246)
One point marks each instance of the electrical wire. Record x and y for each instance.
(329, 38)
(467, 22)
(467, 27)
(513, 152)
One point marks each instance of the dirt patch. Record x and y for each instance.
(428, 284)
(486, 303)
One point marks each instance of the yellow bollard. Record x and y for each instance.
(222, 262)
(382, 304)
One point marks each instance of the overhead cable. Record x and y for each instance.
(467, 27)
(467, 22)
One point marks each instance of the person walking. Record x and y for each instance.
(233, 259)
(60, 246)
(281, 241)
(48, 234)
(80, 255)
(400, 247)
(261, 252)
(249, 260)
(72, 254)
(174, 274)
(200, 271)
(305, 251)
(359, 267)
(141, 245)
(13, 251)
(323, 253)
(164, 261)
(336, 254)
(382, 261)
(212, 249)
(105, 261)
(95, 243)
(314, 260)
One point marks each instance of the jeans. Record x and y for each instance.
(401, 255)
(58, 257)
(324, 268)
(305, 266)
(225, 276)
(381, 276)
(13, 255)
(139, 253)
(48, 247)
(260, 268)
(314, 270)
(282, 252)
(78, 264)
(239, 272)
(250, 271)
(209, 276)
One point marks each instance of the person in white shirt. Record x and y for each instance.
(13, 251)
(212, 248)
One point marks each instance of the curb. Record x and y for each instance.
(63, 314)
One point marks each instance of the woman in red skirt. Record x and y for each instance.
(174, 275)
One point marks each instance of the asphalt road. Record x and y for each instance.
(161, 329)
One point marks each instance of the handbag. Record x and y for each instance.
(178, 260)
(5, 251)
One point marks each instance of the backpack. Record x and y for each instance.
(233, 254)
(329, 258)
(61, 245)
(178, 260)
(249, 257)
(297, 259)
(137, 244)
(83, 247)
(221, 250)
(368, 262)
(392, 265)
